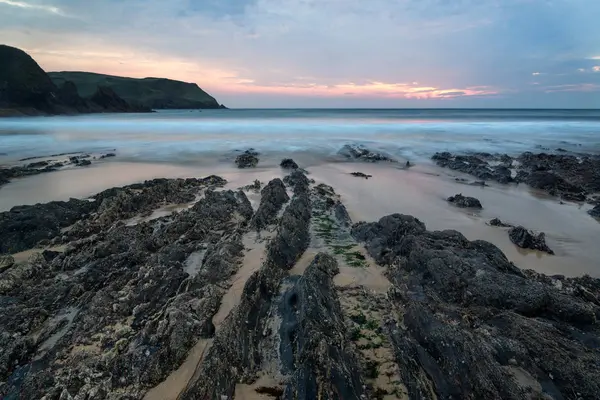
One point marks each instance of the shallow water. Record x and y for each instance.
(194, 137)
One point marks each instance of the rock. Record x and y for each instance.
(254, 187)
(6, 262)
(498, 222)
(529, 240)
(138, 291)
(298, 181)
(467, 311)
(314, 337)
(464, 202)
(288, 163)
(107, 155)
(273, 197)
(247, 159)
(361, 153)
(6, 174)
(595, 212)
(38, 164)
(24, 226)
(361, 175)
(83, 163)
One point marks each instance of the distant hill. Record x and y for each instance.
(156, 93)
(25, 89)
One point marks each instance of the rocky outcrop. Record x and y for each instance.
(298, 181)
(7, 174)
(595, 212)
(361, 153)
(288, 163)
(127, 302)
(361, 175)
(464, 201)
(273, 197)
(498, 222)
(474, 325)
(248, 159)
(474, 165)
(572, 177)
(23, 227)
(316, 352)
(6, 262)
(119, 310)
(529, 240)
(248, 339)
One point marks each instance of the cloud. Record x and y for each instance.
(31, 6)
(258, 49)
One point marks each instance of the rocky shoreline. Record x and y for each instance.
(112, 301)
(572, 177)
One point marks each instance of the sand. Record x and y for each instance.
(419, 191)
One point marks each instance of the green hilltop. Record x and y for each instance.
(155, 93)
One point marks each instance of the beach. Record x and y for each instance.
(420, 191)
(259, 272)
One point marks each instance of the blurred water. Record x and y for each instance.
(193, 136)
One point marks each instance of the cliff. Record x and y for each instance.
(155, 93)
(25, 89)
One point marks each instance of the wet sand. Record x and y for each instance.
(419, 191)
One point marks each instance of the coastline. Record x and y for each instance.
(170, 282)
(419, 191)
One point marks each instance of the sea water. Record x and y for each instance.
(184, 136)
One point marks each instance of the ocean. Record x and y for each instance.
(183, 136)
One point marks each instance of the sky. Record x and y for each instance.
(328, 53)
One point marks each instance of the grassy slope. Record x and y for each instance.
(150, 92)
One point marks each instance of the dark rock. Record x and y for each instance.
(247, 159)
(298, 181)
(6, 174)
(288, 163)
(273, 197)
(498, 222)
(595, 212)
(529, 240)
(38, 164)
(107, 155)
(361, 153)
(254, 187)
(83, 163)
(6, 262)
(314, 337)
(361, 175)
(293, 236)
(24, 226)
(125, 294)
(464, 202)
(469, 316)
